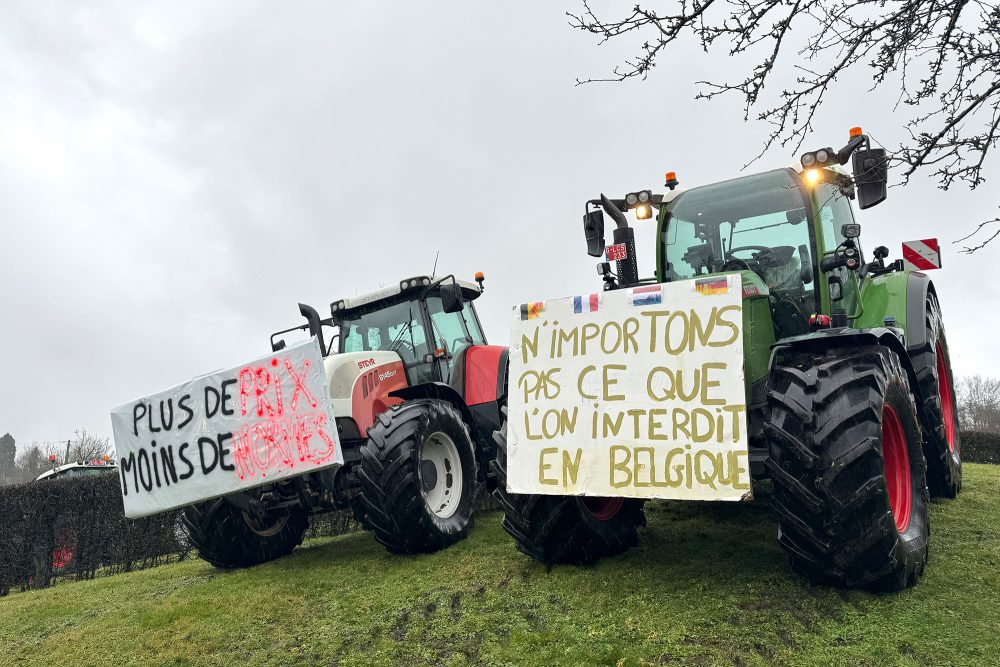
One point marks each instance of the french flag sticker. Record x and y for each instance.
(587, 304)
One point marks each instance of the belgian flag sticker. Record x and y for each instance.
(530, 311)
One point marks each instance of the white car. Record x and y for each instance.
(80, 469)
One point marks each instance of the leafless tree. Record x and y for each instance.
(34, 459)
(943, 55)
(979, 403)
(87, 446)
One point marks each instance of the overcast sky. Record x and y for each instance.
(174, 178)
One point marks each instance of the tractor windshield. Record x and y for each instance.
(397, 327)
(757, 223)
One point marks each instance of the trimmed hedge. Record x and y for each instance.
(980, 447)
(75, 528)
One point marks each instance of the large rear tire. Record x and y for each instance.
(848, 467)
(418, 477)
(942, 441)
(564, 529)
(227, 537)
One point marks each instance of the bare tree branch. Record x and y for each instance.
(944, 55)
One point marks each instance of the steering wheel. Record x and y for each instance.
(757, 248)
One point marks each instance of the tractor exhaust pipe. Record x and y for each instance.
(627, 268)
(315, 324)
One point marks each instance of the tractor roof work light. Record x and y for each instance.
(641, 203)
(813, 176)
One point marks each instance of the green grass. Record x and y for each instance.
(708, 585)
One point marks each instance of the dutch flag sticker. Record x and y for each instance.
(646, 296)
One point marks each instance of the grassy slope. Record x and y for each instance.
(708, 585)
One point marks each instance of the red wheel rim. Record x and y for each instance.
(947, 405)
(897, 468)
(603, 509)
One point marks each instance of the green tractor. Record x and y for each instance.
(849, 390)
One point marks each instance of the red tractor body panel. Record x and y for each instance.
(484, 369)
(370, 394)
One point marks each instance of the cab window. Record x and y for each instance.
(451, 329)
(397, 328)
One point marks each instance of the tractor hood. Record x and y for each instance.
(360, 383)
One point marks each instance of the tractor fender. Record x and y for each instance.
(479, 374)
(481, 419)
(918, 285)
(436, 390)
(819, 341)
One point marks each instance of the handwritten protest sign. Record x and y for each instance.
(635, 393)
(250, 425)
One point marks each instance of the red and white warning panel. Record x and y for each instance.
(922, 255)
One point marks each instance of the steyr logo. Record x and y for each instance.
(365, 363)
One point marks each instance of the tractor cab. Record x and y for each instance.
(793, 229)
(774, 224)
(427, 321)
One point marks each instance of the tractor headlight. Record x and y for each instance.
(631, 199)
(643, 212)
(822, 156)
(812, 176)
(808, 160)
(644, 196)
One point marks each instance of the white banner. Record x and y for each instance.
(635, 393)
(250, 425)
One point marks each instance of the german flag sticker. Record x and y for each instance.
(530, 311)
(710, 286)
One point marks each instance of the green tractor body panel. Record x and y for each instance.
(758, 335)
(882, 297)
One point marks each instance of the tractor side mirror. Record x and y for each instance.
(836, 286)
(451, 298)
(593, 230)
(871, 176)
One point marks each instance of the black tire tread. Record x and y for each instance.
(222, 537)
(944, 472)
(390, 500)
(552, 529)
(824, 428)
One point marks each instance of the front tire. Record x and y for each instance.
(848, 468)
(227, 537)
(564, 529)
(418, 477)
(942, 440)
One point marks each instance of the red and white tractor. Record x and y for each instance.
(417, 394)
